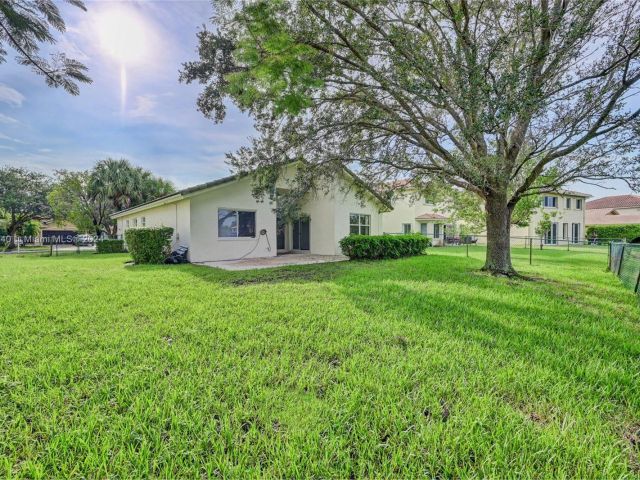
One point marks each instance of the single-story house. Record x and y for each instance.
(56, 233)
(614, 210)
(222, 220)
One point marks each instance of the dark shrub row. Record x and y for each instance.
(110, 246)
(149, 245)
(384, 246)
(629, 232)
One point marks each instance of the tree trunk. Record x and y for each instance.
(498, 260)
(12, 228)
(11, 233)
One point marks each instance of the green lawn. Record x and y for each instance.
(407, 368)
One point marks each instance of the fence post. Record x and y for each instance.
(530, 250)
(56, 249)
(609, 257)
(637, 283)
(567, 244)
(51, 249)
(620, 262)
(467, 248)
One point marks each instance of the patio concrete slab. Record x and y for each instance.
(283, 260)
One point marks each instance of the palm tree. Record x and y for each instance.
(125, 185)
(118, 180)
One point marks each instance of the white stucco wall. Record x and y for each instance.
(195, 219)
(329, 213)
(175, 215)
(206, 246)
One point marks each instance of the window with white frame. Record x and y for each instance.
(406, 228)
(359, 224)
(135, 222)
(126, 224)
(578, 204)
(568, 203)
(550, 201)
(143, 221)
(236, 223)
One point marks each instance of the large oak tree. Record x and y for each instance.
(487, 95)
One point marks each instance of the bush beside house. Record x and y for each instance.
(629, 232)
(149, 245)
(110, 246)
(383, 246)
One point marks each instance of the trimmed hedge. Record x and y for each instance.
(384, 246)
(629, 231)
(110, 246)
(149, 245)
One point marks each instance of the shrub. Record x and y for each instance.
(383, 246)
(149, 245)
(629, 231)
(110, 246)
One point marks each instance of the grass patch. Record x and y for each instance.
(401, 368)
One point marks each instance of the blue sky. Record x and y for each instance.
(154, 123)
(156, 127)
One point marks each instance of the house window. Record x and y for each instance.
(565, 231)
(436, 230)
(578, 204)
(568, 206)
(423, 228)
(551, 237)
(126, 224)
(359, 224)
(236, 223)
(575, 232)
(406, 228)
(551, 202)
(143, 221)
(135, 222)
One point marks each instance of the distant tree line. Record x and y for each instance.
(86, 198)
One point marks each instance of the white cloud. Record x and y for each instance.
(45, 150)
(145, 106)
(10, 95)
(10, 139)
(7, 119)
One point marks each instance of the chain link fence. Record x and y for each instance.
(624, 262)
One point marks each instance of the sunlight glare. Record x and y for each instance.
(123, 35)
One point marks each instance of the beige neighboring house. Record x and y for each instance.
(567, 215)
(222, 220)
(614, 210)
(412, 213)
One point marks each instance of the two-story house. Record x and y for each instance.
(414, 213)
(565, 210)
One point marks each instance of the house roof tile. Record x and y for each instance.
(615, 201)
(431, 216)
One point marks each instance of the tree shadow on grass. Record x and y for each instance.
(535, 326)
(295, 274)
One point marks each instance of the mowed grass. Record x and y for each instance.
(420, 367)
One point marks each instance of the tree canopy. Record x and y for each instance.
(26, 25)
(73, 199)
(487, 96)
(23, 197)
(88, 198)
